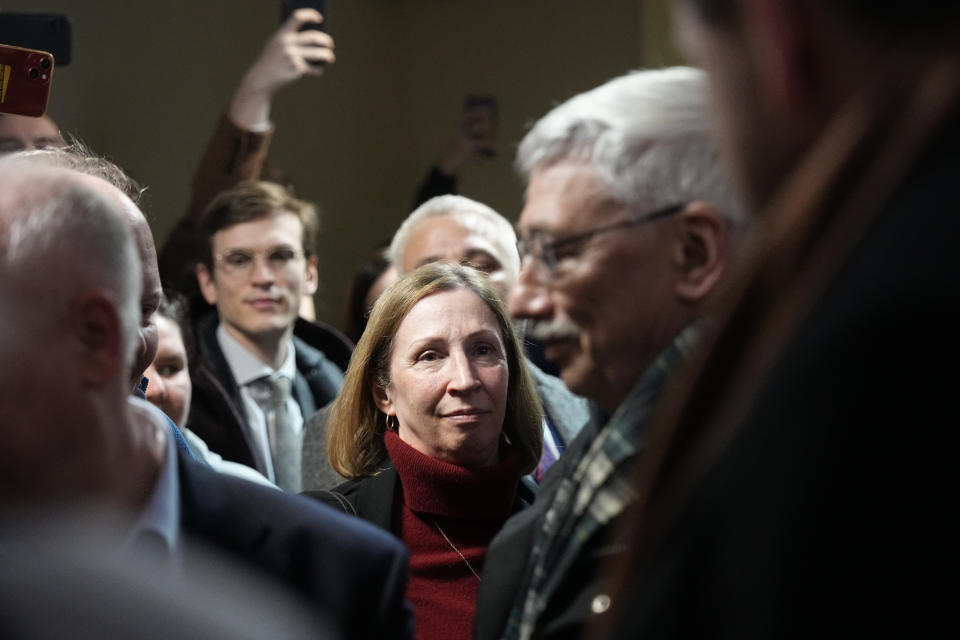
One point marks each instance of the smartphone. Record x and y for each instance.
(289, 6)
(25, 77)
(41, 31)
(480, 120)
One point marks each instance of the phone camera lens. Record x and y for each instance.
(34, 73)
(45, 63)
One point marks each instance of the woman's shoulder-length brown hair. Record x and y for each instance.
(356, 426)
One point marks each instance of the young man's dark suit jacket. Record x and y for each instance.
(217, 411)
(351, 572)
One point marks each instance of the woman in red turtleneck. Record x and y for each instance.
(436, 423)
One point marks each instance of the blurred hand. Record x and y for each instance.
(285, 58)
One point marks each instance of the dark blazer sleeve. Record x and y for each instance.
(352, 572)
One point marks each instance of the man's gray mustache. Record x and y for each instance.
(547, 330)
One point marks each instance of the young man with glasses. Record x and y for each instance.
(255, 382)
(623, 237)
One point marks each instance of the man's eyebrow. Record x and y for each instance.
(273, 247)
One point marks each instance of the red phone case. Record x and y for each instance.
(25, 77)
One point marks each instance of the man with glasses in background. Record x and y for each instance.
(255, 382)
(624, 236)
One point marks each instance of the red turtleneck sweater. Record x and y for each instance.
(470, 506)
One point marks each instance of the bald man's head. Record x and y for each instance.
(69, 290)
(117, 187)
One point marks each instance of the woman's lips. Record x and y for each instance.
(465, 414)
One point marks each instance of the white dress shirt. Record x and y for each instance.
(247, 368)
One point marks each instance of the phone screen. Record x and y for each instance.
(289, 6)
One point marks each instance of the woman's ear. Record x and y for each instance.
(701, 252)
(380, 397)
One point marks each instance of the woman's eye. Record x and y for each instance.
(428, 356)
(486, 351)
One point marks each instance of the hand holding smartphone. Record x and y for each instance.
(287, 7)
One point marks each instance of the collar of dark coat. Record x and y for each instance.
(334, 345)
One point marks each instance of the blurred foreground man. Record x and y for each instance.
(624, 237)
(70, 285)
(805, 483)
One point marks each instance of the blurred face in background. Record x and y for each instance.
(444, 239)
(23, 133)
(170, 387)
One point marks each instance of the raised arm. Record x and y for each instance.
(240, 142)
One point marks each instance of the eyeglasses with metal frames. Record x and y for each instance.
(240, 262)
(549, 252)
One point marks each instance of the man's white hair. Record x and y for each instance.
(647, 136)
(472, 215)
(58, 234)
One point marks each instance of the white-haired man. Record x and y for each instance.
(70, 286)
(623, 238)
(452, 228)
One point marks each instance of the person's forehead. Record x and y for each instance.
(270, 230)
(27, 128)
(169, 334)
(444, 238)
(563, 198)
(450, 312)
